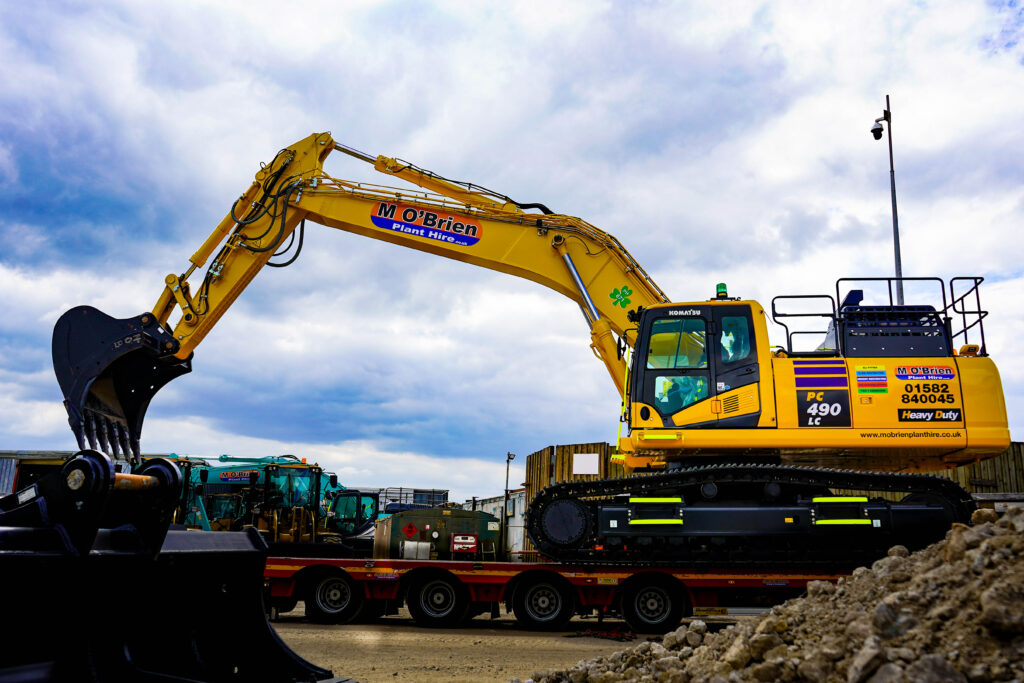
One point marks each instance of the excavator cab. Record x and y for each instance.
(885, 388)
(353, 511)
(225, 510)
(691, 362)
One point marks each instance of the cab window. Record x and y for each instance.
(672, 394)
(344, 506)
(677, 344)
(734, 342)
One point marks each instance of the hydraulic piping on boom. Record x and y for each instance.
(736, 429)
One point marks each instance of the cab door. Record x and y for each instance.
(675, 377)
(696, 367)
(735, 371)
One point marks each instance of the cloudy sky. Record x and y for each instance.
(718, 141)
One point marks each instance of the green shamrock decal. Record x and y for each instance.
(620, 296)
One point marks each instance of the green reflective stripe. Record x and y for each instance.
(840, 499)
(655, 500)
(669, 437)
(844, 521)
(655, 521)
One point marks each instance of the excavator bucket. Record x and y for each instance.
(97, 588)
(109, 369)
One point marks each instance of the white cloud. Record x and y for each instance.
(36, 297)
(21, 240)
(25, 418)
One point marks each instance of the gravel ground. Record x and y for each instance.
(395, 649)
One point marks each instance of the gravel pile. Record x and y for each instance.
(951, 612)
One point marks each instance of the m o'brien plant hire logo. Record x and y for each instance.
(924, 373)
(442, 227)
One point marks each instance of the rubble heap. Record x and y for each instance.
(951, 612)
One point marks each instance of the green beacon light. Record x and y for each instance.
(721, 291)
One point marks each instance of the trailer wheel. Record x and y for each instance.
(653, 606)
(542, 605)
(333, 599)
(438, 602)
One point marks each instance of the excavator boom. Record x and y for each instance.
(109, 369)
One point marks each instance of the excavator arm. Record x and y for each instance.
(109, 369)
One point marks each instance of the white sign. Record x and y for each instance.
(586, 463)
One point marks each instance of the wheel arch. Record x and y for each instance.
(653, 576)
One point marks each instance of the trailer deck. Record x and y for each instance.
(542, 596)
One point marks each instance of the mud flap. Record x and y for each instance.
(192, 610)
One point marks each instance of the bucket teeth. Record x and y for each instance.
(114, 435)
(78, 428)
(101, 434)
(90, 430)
(122, 440)
(107, 435)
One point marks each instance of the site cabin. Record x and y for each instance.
(443, 593)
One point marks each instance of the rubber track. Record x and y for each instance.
(960, 502)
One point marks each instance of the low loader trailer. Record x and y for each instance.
(542, 596)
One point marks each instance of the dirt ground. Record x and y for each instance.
(395, 649)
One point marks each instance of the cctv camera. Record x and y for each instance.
(876, 130)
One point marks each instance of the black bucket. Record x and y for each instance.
(109, 369)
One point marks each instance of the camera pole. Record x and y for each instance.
(877, 132)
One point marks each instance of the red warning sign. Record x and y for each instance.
(410, 530)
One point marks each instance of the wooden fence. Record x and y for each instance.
(1002, 474)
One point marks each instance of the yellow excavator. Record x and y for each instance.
(741, 445)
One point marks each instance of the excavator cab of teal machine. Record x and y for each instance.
(109, 369)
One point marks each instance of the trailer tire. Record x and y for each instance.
(653, 606)
(333, 599)
(438, 602)
(542, 605)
